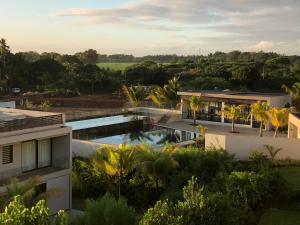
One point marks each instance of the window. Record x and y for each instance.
(7, 154)
(36, 154)
(40, 189)
(44, 153)
(28, 155)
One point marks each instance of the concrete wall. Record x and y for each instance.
(84, 148)
(11, 104)
(62, 199)
(242, 145)
(14, 168)
(294, 126)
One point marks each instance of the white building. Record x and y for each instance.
(37, 144)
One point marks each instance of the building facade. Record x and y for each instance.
(294, 125)
(37, 144)
(216, 101)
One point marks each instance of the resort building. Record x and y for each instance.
(294, 125)
(217, 100)
(37, 144)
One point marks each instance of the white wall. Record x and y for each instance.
(242, 145)
(11, 104)
(84, 148)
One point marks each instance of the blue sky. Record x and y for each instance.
(142, 27)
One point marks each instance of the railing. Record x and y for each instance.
(202, 116)
(57, 165)
(30, 122)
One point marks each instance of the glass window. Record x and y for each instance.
(44, 153)
(28, 155)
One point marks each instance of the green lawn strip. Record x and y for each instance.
(280, 217)
(115, 66)
(292, 176)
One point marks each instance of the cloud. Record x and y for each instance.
(238, 21)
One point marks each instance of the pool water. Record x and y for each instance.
(156, 138)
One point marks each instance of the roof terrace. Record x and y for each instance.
(15, 119)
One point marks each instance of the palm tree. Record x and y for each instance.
(294, 92)
(278, 118)
(233, 112)
(167, 94)
(156, 165)
(272, 151)
(27, 190)
(135, 94)
(195, 104)
(260, 111)
(115, 162)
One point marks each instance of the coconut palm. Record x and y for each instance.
(294, 92)
(196, 104)
(135, 94)
(260, 111)
(233, 112)
(156, 165)
(166, 95)
(115, 162)
(272, 151)
(278, 118)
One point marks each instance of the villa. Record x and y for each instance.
(217, 100)
(37, 144)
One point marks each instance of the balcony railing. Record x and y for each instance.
(58, 165)
(30, 122)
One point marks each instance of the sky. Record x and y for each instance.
(147, 27)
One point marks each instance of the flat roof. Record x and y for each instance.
(18, 114)
(233, 94)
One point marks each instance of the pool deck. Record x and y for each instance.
(217, 129)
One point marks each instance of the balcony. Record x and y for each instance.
(6, 175)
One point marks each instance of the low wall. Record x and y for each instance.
(242, 145)
(84, 148)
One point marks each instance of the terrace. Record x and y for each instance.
(14, 119)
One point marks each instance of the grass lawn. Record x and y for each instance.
(280, 217)
(292, 176)
(115, 66)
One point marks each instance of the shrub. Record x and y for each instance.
(17, 214)
(202, 207)
(108, 210)
(161, 214)
(44, 106)
(86, 181)
(248, 189)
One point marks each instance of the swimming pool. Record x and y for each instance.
(102, 121)
(155, 138)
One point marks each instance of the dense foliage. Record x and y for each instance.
(235, 70)
(184, 185)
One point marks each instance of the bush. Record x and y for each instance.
(161, 214)
(86, 181)
(109, 211)
(17, 214)
(248, 189)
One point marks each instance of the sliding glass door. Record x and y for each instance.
(36, 154)
(28, 155)
(44, 153)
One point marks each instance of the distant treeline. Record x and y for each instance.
(235, 70)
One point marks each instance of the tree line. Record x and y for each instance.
(235, 70)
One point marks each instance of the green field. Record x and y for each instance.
(115, 66)
(289, 215)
